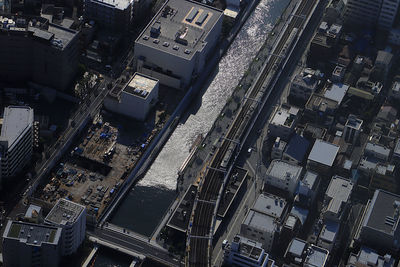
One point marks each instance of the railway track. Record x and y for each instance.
(199, 232)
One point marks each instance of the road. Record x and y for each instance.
(133, 244)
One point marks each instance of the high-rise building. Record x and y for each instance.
(380, 13)
(71, 217)
(16, 139)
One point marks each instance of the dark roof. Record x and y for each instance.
(297, 147)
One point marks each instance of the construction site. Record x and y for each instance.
(97, 165)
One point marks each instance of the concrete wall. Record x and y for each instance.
(131, 105)
(178, 66)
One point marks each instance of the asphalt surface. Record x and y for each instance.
(133, 244)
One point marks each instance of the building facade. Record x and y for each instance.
(371, 13)
(16, 139)
(247, 253)
(71, 217)
(379, 227)
(352, 129)
(109, 14)
(264, 220)
(136, 99)
(283, 122)
(35, 50)
(283, 175)
(27, 244)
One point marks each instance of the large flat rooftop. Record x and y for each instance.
(284, 116)
(248, 248)
(40, 28)
(282, 170)
(15, 120)
(338, 192)
(180, 27)
(32, 234)
(270, 205)
(323, 152)
(382, 214)
(65, 212)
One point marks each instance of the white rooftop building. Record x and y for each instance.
(369, 257)
(71, 217)
(246, 252)
(283, 175)
(300, 253)
(336, 198)
(263, 221)
(28, 244)
(16, 139)
(174, 46)
(283, 122)
(377, 151)
(322, 155)
(304, 84)
(136, 99)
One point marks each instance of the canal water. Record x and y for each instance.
(146, 203)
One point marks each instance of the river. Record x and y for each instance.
(146, 203)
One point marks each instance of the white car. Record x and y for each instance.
(224, 243)
(249, 150)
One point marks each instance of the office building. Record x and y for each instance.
(369, 257)
(283, 175)
(175, 45)
(394, 36)
(322, 156)
(246, 252)
(36, 50)
(304, 84)
(379, 227)
(278, 148)
(320, 109)
(283, 122)
(337, 198)
(300, 253)
(352, 129)
(307, 190)
(71, 217)
(336, 92)
(335, 209)
(16, 139)
(264, 220)
(377, 151)
(115, 15)
(384, 62)
(296, 149)
(371, 13)
(28, 244)
(136, 99)
(388, 14)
